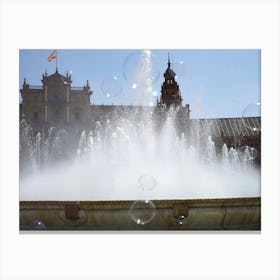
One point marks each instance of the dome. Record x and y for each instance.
(169, 74)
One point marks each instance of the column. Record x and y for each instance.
(46, 107)
(67, 104)
(46, 113)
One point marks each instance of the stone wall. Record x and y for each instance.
(200, 214)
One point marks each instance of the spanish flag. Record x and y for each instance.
(52, 56)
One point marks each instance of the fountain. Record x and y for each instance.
(107, 162)
(129, 159)
(131, 171)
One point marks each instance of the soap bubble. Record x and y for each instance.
(37, 224)
(67, 73)
(252, 110)
(65, 80)
(155, 93)
(140, 69)
(146, 182)
(142, 211)
(247, 153)
(181, 220)
(111, 87)
(179, 68)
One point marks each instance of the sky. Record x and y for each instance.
(215, 83)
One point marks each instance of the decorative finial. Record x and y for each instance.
(46, 73)
(168, 61)
(24, 81)
(87, 84)
(56, 71)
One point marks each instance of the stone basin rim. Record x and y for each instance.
(125, 204)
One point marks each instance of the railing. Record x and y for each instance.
(36, 87)
(72, 88)
(77, 88)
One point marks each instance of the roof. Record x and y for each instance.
(57, 78)
(169, 73)
(227, 127)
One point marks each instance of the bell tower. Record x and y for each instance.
(170, 92)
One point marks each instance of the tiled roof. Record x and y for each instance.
(226, 126)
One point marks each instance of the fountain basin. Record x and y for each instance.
(242, 213)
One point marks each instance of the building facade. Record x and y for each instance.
(56, 103)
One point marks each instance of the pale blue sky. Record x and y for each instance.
(216, 83)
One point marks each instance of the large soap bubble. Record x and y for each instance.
(142, 211)
(140, 69)
(111, 87)
(252, 110)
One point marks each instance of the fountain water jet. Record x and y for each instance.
(108, 161)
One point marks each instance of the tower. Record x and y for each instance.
(170, 91)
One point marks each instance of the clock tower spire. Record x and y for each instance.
(170, 91)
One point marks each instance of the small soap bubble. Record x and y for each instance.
(142, 211)
(181, 220)
(141, 69)
(247, 153)
(111, 87)
(148, 52)
(179, 68)
(146, 182)
(252, 110)
(37, 224)
(155, 93)
(64, 78)
(67, 73)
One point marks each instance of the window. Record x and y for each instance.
(77, 116)
(36, 116)
(56, 116)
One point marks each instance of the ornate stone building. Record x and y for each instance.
(56, 103)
